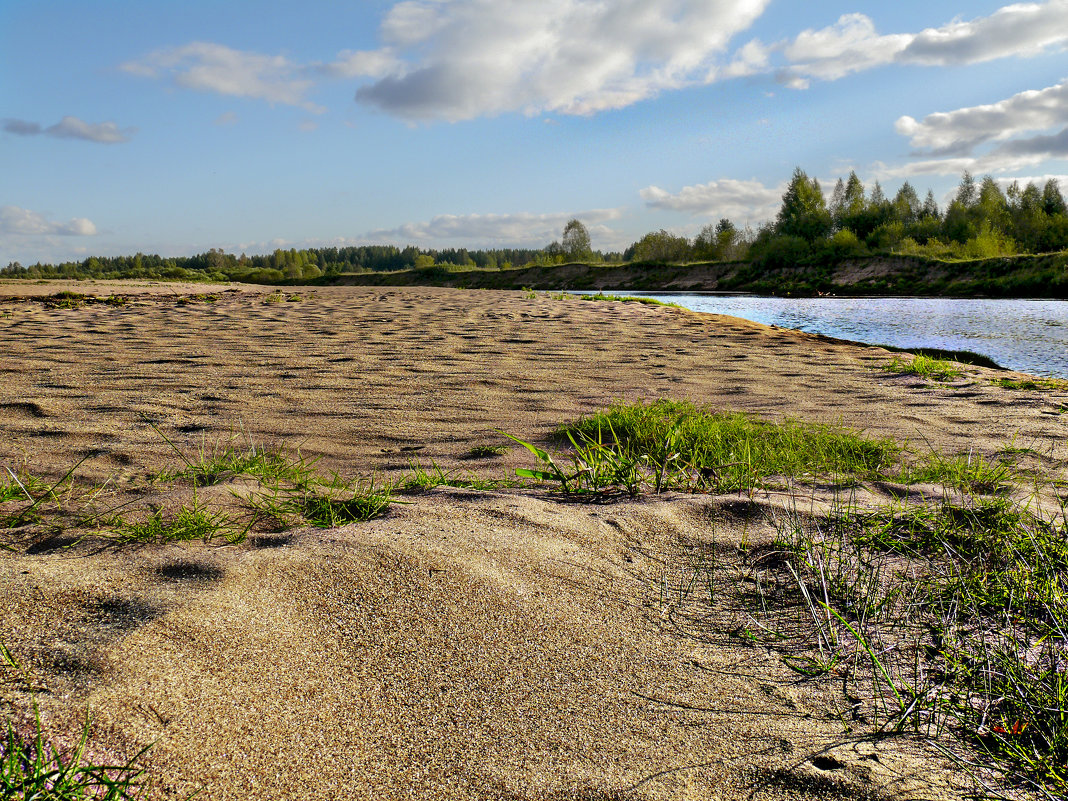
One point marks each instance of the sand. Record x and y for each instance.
(471, 645)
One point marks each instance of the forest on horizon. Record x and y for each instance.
(981, 221)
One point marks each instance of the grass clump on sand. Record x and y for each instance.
(971, 472)
(422, 478)
(220, 463)
(925, 367)
(65, 300)
(486, 451)
(1036, 384)
(680, 445)
(937, 619)
(216, 463)
(194, 522)
(628, 299)
(32, 769)
(677, 445)
(322, 504)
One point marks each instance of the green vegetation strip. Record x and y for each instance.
(925, 367)
(948, 618)
(684, 446)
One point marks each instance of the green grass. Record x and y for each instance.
(971, 472)
(65, 300)
(422, 478)
(487, 451)
(628, 299)
(1036, 384)
(194, 522)
(215, 463)
(322, 507)
(961, 356)
(943, 620)
(34, 769)
(680, 445)
(925, 367)
(185, 300)
(40, 496)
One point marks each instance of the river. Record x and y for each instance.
(1026, 335)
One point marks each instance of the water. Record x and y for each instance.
(1026, 335)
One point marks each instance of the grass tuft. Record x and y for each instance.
(925, 367)
(685, 446)
(487, 451)
(324, 505)
(194, 522)
(421, 478)
(971, 472)
(1035, 384)
(217, 463)
(629, 299)
(943, 619)
(36, 770)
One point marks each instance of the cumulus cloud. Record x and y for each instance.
(1038, 148)
(723, 198)
(211, 67)
(107, 133)
(493, 230)
(1021, 29)
(467, 58)
(23, 222)
(1007, 136)
(852, 44)
(960, 131)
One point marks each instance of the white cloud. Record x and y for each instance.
(852, 44)
(23, 222)
(362, 64)
(107, 133)
(1021, 29)
(957, 132)
(469, 58)
(735, 200)
(750, 59)
(226, 118)
(210, 67)
(1022, 128)
(493, 230)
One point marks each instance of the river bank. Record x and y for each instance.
(1044, 276)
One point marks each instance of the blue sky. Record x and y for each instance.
(174, 127)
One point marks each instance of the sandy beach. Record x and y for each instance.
(469, 644)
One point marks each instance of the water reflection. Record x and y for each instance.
(1026, 335)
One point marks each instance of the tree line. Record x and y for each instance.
(981, 221)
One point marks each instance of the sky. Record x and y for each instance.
(174, 127)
